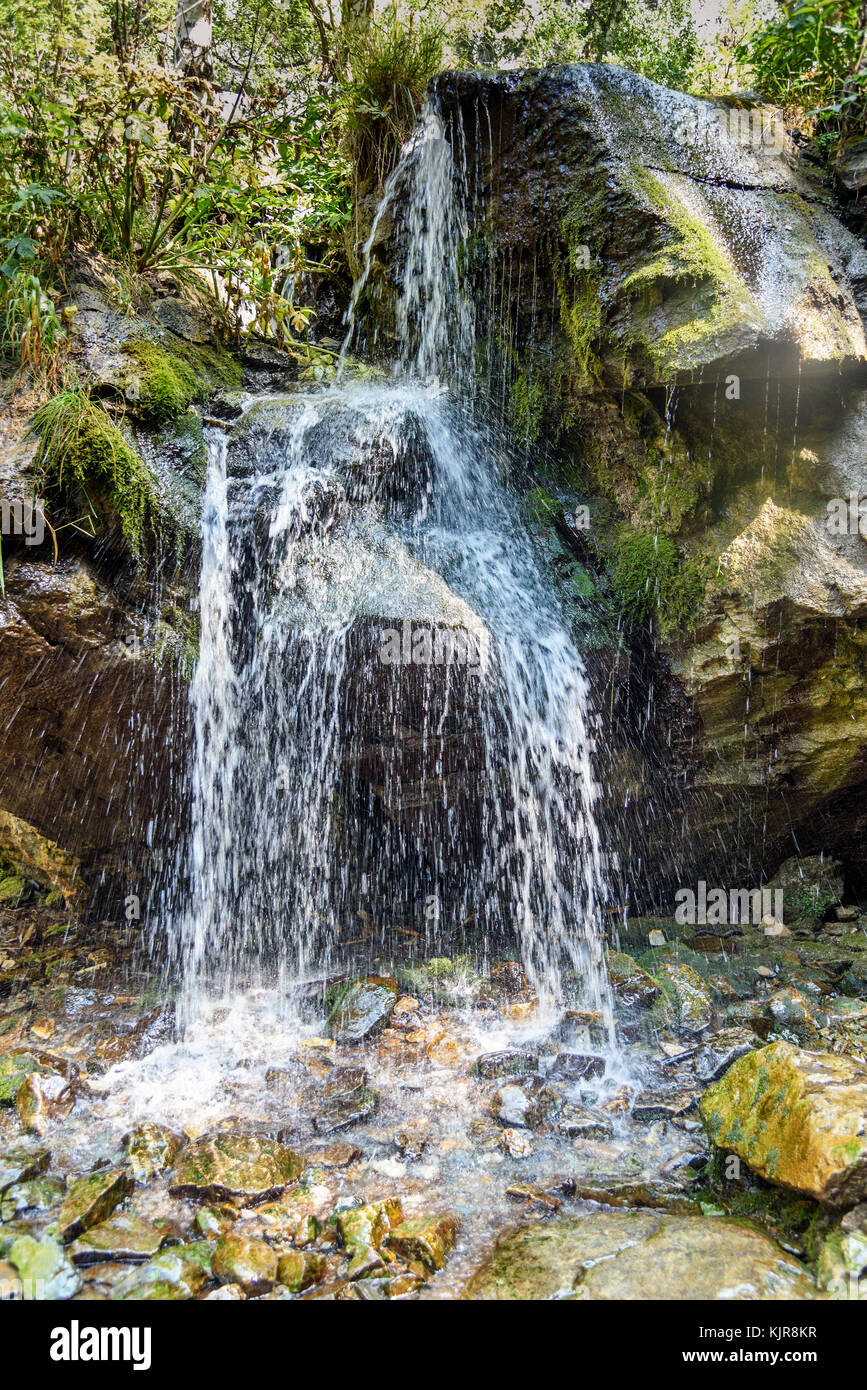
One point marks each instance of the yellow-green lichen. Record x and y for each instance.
(716, 301)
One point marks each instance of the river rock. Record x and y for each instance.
(713, 1059)
(509, 1063)
(124, 1237)
(299, 1269)
(344, 1110)
(235, 1166)
(20, 1165)
(367, 1226)
(246, 1261)
(515, 1107)
(576, 1066)
(638, 1255)
(427, 1238)
(177, 1273)
(797, 1118)
(42, 1098)
(412, 1138)
(15, 1067)
(150, 1150)
(631, 984)
(362, 1009)
(36, 1194)
(90, 1200)
(577, 1122)
(790, 1017)
(515, 1143)
(693, 1000)
(43, 1268)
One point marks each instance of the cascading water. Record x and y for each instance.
(391, 717)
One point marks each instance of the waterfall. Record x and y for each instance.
(393, 729)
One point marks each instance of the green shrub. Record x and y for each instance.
(390, 62)
(810, 58)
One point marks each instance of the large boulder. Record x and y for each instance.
(662, 239)
(797, 1118)
(638, 1255)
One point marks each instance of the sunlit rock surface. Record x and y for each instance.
(797, 1118)
(638, 1255)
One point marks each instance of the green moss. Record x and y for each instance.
(160, 384)
(654, 584)
(528, 407)
(581, 317)
(690, 256)
(542, 508)
(82, 453)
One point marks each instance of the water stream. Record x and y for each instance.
(369, 594)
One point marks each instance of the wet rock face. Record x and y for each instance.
(73, 685)
(704, 235)
(797, 1118)
(638, 1255)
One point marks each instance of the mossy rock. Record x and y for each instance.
(160, 384)
(797, 1119)
(639, 1255)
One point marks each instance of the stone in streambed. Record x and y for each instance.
(299, 1269)
(638, 1255)
(177, 1273)
(90, 1200)
(576, 1066)
(632, 986)
(510, 1063)
(797, 1118)
(150, 1150)
(713, 1058)
(15, 1067)
(344, 1110)
(43, 1268)
(362, 1009)
(246, 1261)
(657, 1193)
(579, 1123)
(368, 1225)
(582, 1028)
(41, 1098)
(662, 1105)
(515, 1143)
(22, 1165)
(691, 996)
(429, 1239)
(413, 1137)
(37, 1194)
(526, 1105)
(230, 1166)
(124, 1237)
(336, 1155)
